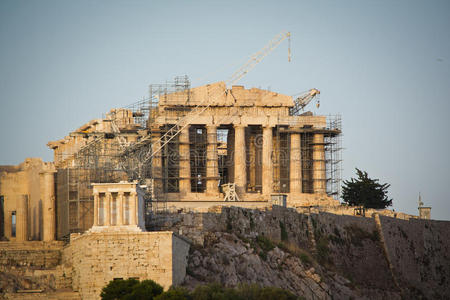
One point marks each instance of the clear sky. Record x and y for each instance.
(383, 65)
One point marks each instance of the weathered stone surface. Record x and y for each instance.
(347, 253)
(97, 258)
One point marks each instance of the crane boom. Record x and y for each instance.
(258, 56)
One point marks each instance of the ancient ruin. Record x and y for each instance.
(87, 216)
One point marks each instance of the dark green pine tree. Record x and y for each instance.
(365, 191)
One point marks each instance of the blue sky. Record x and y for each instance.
(383, 65)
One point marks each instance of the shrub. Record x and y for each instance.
(305, 258)
(322, 250)
(175, 293)
(265, 244)
(145, 290)
(117, 289)
(131, 289)
(148, 289)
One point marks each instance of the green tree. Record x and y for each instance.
(365, 191)
(175, 293)
(131, 289)
(145, 290)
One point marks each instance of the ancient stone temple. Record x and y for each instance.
(184, 149)
(247, 137)
(118, 207)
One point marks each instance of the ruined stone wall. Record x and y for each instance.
(349, 210)
(32, 265)
(20, 187)
(37, 255)
(98, 258)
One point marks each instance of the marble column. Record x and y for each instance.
(119, 205)
(185, 162)
(295, 164)
(319, 182)
(240, 170)
(22, 218)
(267, 169)
(107, 209)
(133, 208)
(212, 164)
(96, 206)
(47, 189)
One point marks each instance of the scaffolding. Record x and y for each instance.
(114, 154)
(333, 155)
(281, 160)
(125, 148)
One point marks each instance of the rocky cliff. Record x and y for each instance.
(318, 256)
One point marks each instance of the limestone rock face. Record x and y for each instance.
(229, 260)
(318, 256)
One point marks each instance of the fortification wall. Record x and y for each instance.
(398, 258)
(419, 251)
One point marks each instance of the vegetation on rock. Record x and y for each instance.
(131, 289)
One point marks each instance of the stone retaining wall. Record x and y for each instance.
(98, 258)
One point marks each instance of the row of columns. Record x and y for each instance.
(240, 171)
(319, 185)
(47, 197)
(106, 209)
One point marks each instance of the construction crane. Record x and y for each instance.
(303, 100)
(201, 107)
(258, 56)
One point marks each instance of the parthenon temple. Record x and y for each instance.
(185, 149)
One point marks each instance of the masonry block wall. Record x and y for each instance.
(98, 258)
